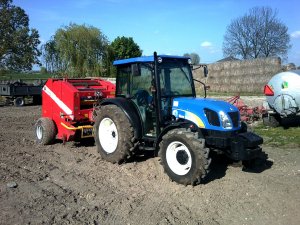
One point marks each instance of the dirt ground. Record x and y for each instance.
(70, 184)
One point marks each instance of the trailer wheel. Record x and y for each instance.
(45, 131)
(37, 100)
(114, 135)
(19, 101)
(271, 121)
(184, 157)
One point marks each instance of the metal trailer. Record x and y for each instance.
(283, 97)
(17, 91)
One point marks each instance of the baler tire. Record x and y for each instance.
(19, 102)
(188, 149)
(45, 131)
(115, 141)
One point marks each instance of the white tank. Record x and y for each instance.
(286, 88)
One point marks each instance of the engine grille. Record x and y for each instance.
(234, 116)
(212, 117)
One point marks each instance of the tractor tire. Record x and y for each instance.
(114, 135)
(270, 121)
(45, 131)
(19, 101)
(184, 156)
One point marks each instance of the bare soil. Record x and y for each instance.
(71, 184)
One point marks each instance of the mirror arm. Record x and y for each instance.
(203, 85)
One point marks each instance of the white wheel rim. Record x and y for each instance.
(39, 132)
(108, 135)
(178, 158)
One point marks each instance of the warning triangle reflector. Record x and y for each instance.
(268, 91)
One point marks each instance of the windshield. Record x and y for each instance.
(175, 78)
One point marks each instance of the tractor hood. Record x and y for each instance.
(207, 113)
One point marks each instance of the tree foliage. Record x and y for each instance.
(195, 58)
(18, 44)
(52, 60)
(258, 33)
(77, 50)
(80, 50)
(125, 47)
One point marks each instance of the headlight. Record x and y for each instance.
(226, 123)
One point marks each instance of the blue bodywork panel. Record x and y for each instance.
(146, 59)
(192, 109)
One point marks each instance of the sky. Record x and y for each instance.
(166, 26)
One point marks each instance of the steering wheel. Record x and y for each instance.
(175, 93)
(142, 97)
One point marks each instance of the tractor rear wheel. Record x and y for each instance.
(45, 131)
(184, 156)
(114, 135)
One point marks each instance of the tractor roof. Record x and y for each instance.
(145, 59)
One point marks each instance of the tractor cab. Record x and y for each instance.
(153, 86)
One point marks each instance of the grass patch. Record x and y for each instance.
(279, 136)
(25, 76)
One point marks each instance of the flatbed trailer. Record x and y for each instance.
(17, 91)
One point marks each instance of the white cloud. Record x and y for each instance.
(295, 34)
(206, 44)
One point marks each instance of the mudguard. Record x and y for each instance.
(130, 111)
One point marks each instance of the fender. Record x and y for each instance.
(180, 124)
(130, 111)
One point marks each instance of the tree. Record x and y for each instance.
(77, 50)
(256, 34)
(52, 60)
(18, 44)
(125, 47)
(195, 58)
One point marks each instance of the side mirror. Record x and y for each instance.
(135, 70)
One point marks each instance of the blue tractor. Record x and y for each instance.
(155, 108)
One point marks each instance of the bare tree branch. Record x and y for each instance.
(256, 34)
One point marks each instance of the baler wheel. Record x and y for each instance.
(114, 135)
(184, 156)
(45, 131)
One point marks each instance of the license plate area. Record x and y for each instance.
(87, 132)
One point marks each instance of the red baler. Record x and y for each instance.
(69, 104)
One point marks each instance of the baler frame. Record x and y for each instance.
(69, 105)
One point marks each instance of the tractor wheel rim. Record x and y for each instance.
(39, 132)
(108, 135)
(178, 158)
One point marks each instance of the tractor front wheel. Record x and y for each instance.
(184, 156)
(114, 135)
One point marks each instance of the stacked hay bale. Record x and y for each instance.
(239, 76)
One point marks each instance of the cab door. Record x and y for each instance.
(141, 95)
